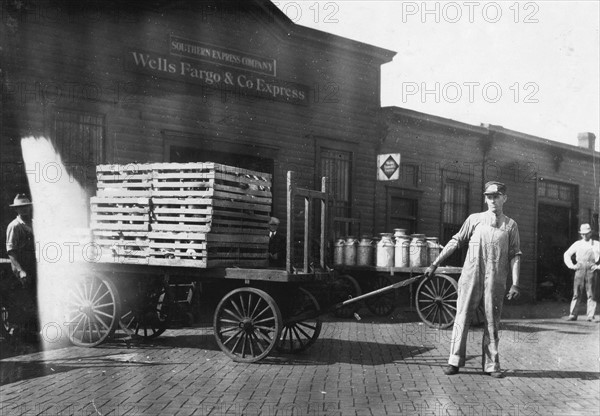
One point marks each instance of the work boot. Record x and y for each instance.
(450, 370)
(496, 374)
(572, 318)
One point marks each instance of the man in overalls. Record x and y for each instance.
(493, 254)
(587, 254)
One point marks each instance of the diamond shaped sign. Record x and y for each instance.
(388, 167)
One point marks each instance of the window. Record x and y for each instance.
(556, 191)
(336, 165)
(409, 175)
(455, 209)
(79, 139)
(402, 213)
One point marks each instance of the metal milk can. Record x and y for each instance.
(433, 249)
(402, 250)
(385, 251)
(350, 251)
(418, 251)
(338, 252)
(365, 252)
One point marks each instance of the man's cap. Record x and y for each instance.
(494, 188)
(274, 221)
(21, 200)
(585, 228)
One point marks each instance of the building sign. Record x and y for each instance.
(220, 56)
(388, 167)
(217, 68)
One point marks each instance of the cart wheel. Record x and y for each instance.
(149, 316)
(384, 304)
(344, 288)
(436, 301)
(8, 328)
(92, 311)
(298, 336)
(247, 324)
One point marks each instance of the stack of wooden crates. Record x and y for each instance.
(182, 214)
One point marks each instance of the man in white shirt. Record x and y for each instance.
(587, 254)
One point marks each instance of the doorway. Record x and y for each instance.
(555, 228)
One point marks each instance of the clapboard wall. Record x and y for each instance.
(442, 149)
(65, 57)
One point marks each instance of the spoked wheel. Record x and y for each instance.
(344, 288)
(384, 304)
(92, 311)
(147, 315)
(436, 301)
(298, 336)
(247, 324)
(7, 329)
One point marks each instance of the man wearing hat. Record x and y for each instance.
(587, 254)
(20, 244)
(493, 254)
(277, 244)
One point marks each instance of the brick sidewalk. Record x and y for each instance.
(376, 366)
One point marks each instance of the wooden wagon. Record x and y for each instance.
(209, 223)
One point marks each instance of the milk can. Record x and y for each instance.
(418, 251)
(350, 251)
(433, 249)
(385, 251)
(364, 255)
(338, 252)
(402, 250)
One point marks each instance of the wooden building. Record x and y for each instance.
(553, 187)
(237, 82)
(233, 82)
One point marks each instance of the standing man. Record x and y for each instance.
(493, 254)
(277, 244)
(587, 254)
(20, 244)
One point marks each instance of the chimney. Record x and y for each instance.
(587, 140)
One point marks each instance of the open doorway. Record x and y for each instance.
(555, 228)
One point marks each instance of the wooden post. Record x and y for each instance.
(290, 222)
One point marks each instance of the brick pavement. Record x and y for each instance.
(376, 366)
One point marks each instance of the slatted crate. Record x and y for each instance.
(210, 180)
(177, 249)
(120, 214)
(122, 246)
(198, 214)
(181, 214)
(132, 180)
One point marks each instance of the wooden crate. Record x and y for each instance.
(181, 214)
(132, 180)
(198, 215)
(120, 214)
(210, 180)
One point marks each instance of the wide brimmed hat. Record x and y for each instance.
(21, 200)
(585, 228)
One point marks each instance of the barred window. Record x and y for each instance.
(455, 209)
(79, 139)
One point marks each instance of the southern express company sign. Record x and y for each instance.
(219, 68)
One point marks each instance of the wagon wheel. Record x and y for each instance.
(298, 336)
(8, 328)
(149, 315)
(384, 304)
(344, 288)
(247, 324)
(92, 311)
(436, 301)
